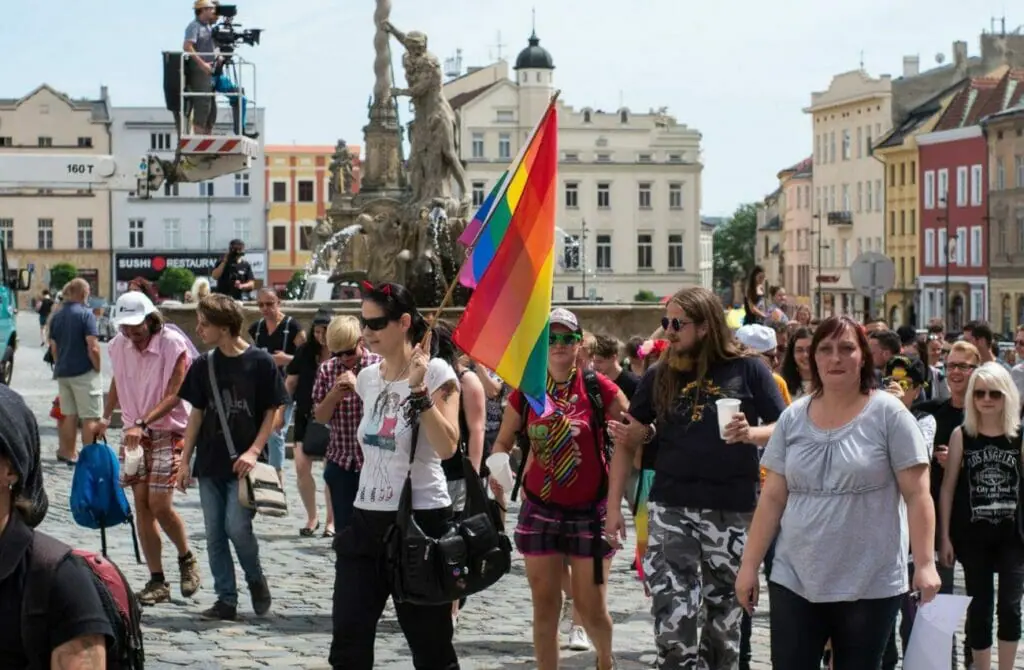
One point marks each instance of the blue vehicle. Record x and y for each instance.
(13, 281)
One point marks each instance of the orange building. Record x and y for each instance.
(298, 194)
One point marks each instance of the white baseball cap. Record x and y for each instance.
(564, 317)
(757, 337)
(132, 308)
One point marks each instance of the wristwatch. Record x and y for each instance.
(141, 423)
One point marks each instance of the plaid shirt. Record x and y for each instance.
(343, 448)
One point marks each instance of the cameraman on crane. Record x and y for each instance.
(199, 68)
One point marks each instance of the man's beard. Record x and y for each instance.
(683, 360)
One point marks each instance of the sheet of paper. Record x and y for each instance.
(931, 640)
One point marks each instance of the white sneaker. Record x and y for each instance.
(565, 619)
(578, 640)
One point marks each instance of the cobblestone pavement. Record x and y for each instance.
(494, 629)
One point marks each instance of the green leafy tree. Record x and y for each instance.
(643, 295)
(61, 274)
(734, 247)
(175, 282)
(296, 285)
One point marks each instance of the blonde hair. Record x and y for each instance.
(967, 349)
(343, 333)
(996, 378)
(200, 289)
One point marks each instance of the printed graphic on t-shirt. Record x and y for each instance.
(697, 396)
(993, 477)
(381, 433)
(235, 405)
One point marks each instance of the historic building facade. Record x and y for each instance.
(796, 211)
(629, 183)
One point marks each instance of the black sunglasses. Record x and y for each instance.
(376, 323)
(676, 324)
(995, 394)
(347, 352)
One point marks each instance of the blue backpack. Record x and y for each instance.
(97, 499)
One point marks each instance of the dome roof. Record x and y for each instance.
(534, 56)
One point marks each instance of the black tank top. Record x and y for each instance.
(453, 466)
(988, 488)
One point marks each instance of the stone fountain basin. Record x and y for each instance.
(618, 320)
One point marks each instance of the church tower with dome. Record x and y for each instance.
(534, 76)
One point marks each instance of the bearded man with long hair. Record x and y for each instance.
(705, 481)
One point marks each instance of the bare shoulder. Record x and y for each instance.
(88, 652)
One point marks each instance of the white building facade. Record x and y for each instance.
(707, 255)
(185, 225)
(629, 184)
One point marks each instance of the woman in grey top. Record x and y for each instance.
(840, 463)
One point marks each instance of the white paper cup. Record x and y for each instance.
(727, 409)
(501, 469)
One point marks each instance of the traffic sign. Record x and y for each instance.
(872, 274)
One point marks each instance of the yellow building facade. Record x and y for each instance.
(898, 151)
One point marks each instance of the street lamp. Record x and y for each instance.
(948, 251)
(821, 245)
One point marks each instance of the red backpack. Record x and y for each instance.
(121, 606)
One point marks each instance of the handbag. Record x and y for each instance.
(473, 554)
(316, 439)
(260, 490)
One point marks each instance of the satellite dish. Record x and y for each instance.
(940, 58)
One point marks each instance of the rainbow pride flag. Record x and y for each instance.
(468, 274)
(511, 268)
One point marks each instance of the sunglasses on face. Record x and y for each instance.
(674, 324)
(342, 354)
(376, 323)
(962, 367)
(994, 394)
(567, 339)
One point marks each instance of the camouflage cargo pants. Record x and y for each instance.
(691, 563)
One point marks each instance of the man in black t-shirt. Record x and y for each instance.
(605, 356)
(234, 275)
(251, 391)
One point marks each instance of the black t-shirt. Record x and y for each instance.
(281, 339)
(988, 490)
(44, 308)
(250, 386)
(239, 271)
(693, 465)
(304, 365)
(627, 381)
(75, 609)
(947, 419)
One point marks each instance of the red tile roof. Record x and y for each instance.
(981, 97)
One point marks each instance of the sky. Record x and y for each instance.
(740, 72)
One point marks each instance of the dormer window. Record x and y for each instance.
(586, 116)
(624, 116)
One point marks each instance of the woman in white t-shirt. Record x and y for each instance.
(407, 382)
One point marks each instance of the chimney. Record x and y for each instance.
(911, 66)
(959, 54)
(104, 93)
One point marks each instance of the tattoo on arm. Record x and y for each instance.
(82, 653)
(448, 390)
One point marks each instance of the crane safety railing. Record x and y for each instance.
(232, 70)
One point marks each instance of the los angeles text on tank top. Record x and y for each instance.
(992, 468)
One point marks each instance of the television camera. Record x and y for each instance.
(227, 34)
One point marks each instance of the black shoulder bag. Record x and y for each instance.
(473, 553)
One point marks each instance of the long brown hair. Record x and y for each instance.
(718, 345)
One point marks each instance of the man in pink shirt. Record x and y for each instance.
(149, 362)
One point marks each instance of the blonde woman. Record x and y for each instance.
(980, 512)
(200, 289)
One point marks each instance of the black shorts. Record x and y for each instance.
(299, 422)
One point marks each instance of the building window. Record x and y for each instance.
(206, 189)
(1000, 174)
(7, 233)
(45, 233)
(1001, 236)
(867, 137)
(170, 190)
(242, 185)
(644, 195)
(846, 197)
(645, 158)
(1020, 233)
(572, 195)
(84, 142)
(675, 251)
(879, 195)
(929, 248)
(305, 191)
(586, 116)
(45, 142)
(85, 233)
(624, 116)
(504, 146)
(961, 186)
(478, 145)
(860, 196)
(675, 158)
(172, 233)
(241, 229)
(860, 143)
(846, 145)
(304, 234)
(160, 142)
(571, 157)
(892, 223)
(604, 195)
(943, 188)
(136, 233)
(675, 196)
(206, 225)
(903, 174)
(279, 191)
(604, 252)
(961, 246)
(976, 246)
(478, 193)
(604, 158)
(976, 185)
(6, 141)
(506, 116)
(870, 199)
(929, 189)
(943, 250)
(977, 306)
(913, 222)
(644, 251)
(279, 238)
(571, 252)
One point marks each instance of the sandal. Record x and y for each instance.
(328, 532)
(310, 532)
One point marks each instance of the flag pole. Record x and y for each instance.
(498, 196)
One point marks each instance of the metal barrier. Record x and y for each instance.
(234, 78)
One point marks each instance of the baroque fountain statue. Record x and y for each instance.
(404, 221)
